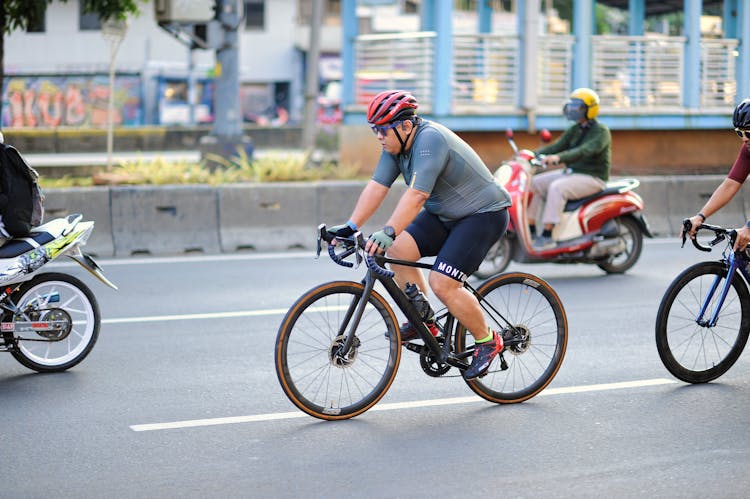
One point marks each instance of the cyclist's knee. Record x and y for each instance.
(442, 285)
(404, 248)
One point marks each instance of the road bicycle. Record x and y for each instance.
(339, 347)
(704, 317)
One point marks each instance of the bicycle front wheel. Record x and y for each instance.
(535, 345)
(690, 347)
(314, 372)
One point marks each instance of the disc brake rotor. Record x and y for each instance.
(518, 341)
(334, 352)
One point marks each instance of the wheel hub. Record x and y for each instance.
(518, 342)
(53, 324)
(335, 355)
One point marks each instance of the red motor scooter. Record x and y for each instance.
(605, 229)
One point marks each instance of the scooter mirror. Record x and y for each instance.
(508, 133)
(545, 135)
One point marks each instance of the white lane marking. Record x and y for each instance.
(215, 315)
(105, 262)
(396, 406)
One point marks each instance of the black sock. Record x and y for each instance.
(547, 233)
(532, 230)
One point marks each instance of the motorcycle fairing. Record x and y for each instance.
(62, 235)
(594, 214)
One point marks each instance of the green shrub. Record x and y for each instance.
(215, 170)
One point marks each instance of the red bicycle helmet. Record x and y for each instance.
(390, 105)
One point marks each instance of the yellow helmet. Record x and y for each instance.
(583, 102)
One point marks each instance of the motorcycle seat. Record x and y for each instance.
(615, 187)
(37, 237)
(21, 245)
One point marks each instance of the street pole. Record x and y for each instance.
(113, 31)
(226, 134)
(309, 131)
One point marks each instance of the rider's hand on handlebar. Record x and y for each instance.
(551, 160)
(379, 242)
(341, 231)
(743, 238)
(695, 222)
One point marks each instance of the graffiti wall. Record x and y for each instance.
(52, 101)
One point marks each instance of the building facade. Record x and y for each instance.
(56, 74)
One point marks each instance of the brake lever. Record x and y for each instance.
(686, 226)
(359, 241)
(321, 231)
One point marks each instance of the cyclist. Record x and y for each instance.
(452, 209)
(586, 151)
(736, 177)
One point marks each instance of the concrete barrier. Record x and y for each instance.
(337, 200)
(267, 217)
(278, 217)
(653, 190)
(687, 194)
(94, 204)
(164, 220)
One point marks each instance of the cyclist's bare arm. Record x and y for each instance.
(721, 196)
(407, 209)
(369, 201)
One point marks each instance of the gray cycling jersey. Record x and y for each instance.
(441, 164)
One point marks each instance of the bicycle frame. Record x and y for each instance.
(443, 353)
(735, 263)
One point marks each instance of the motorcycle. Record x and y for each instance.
(605, 228)
(50, 321)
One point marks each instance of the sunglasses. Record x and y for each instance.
(383, 129)
(742, 133)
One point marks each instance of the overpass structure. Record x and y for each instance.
(489, 80)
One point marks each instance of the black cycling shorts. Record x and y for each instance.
(460, 246)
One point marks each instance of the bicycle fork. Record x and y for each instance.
(732, 268)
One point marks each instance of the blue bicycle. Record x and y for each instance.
(704, 318)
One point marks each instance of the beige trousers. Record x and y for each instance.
(555, 188)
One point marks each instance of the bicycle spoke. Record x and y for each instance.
(323, 371)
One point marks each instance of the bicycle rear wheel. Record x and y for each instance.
(534, 353)
(315, 376)
(695, 352)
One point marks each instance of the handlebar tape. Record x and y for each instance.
(372, 265)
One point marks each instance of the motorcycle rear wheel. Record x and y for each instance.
(630, 232)
(497, 259)
(51, 291)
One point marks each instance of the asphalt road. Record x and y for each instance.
(179, 398)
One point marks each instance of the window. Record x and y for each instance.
(411, 7)
(36, 25)
(255, 13)
(88, 21)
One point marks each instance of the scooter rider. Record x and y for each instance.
(452, 209)
(585, 149)
(736, 177)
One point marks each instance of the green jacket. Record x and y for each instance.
(592, 156)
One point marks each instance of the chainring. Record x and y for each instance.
(430, 365)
